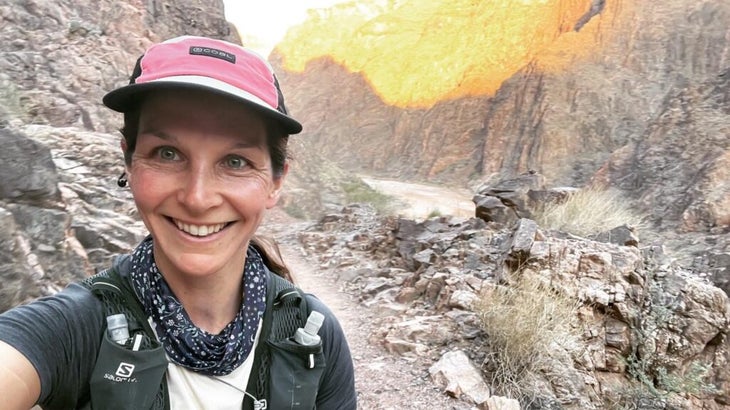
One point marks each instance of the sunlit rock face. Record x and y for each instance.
(466, 91)
(416, 54)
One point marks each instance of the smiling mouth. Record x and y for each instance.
(199, 230)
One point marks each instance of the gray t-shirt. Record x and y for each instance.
(60, 335)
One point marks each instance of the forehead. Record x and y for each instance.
(203, 112)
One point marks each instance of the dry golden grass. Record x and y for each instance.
(524, 323)
(589, 211)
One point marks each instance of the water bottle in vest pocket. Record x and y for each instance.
(126, 377)
(295, 373)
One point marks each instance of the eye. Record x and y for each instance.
(167, 153)
(235, 162)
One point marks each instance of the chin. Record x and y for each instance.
(196, 266)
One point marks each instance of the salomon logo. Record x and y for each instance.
(123, 374)
(125, 370)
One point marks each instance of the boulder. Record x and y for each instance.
(27, 169)
(507, 200)
(621, 235)
(456, 374)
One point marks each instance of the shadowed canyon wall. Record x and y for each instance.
(62, 214)
(58, 58)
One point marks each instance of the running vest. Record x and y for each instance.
(131, 375)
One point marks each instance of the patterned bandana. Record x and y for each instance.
(186, 344)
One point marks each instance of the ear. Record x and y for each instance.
(123, 146)
(276, 187)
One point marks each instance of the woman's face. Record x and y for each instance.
(201, 178)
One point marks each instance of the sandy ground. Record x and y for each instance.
(421, 200)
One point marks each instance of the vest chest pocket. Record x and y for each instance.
(295, 373)
(126, 379)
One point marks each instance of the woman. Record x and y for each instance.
(205, 137)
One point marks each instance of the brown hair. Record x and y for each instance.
(277, 143)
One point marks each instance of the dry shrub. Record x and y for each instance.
(589, 211)
(524, 323)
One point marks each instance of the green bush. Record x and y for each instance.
(357, 191)
(655, 383)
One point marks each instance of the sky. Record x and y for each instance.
(262, 24)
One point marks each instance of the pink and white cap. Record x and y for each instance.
(206, 64)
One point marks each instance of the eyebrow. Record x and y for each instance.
(159, 134)
(248, 143)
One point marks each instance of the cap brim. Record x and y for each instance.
(127, 98)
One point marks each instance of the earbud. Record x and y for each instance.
(122, 181)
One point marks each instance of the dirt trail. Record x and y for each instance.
(420, 200)
(383, 381)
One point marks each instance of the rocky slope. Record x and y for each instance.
(602, 326)
(58, 58)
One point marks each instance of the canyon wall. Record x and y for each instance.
(643, 62)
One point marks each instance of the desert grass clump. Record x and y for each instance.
(524, 323)
(589, 211)
(435, 213)
(357, 191)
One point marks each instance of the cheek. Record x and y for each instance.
(147, 190)
(252, 195)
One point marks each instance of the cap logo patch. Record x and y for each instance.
(212, 52)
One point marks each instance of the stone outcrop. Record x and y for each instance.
(644, 331)
(27, 169)
(64, 220)
(705, 253)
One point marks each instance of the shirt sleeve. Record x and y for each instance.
(337, 386)
(60, 336)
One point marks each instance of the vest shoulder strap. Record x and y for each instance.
(286, 311)
(117, 296)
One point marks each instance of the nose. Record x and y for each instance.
(199, 190)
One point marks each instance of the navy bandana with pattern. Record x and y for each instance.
(186, 344)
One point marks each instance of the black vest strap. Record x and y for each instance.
(286, 311)
(146, 361)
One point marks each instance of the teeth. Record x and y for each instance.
(199, 230)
